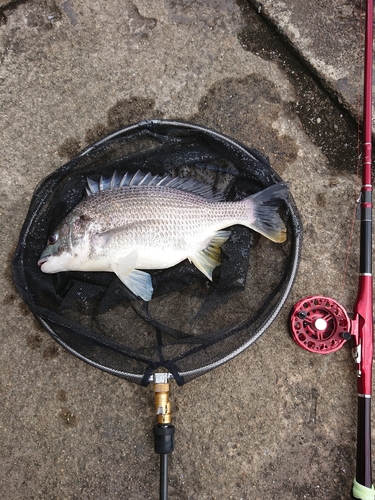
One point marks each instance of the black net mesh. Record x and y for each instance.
(191, 325)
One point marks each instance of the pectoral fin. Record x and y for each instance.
(207, 259)
(137, 281)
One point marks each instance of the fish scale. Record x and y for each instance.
(135, 222)
(168, 208)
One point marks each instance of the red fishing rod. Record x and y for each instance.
(363, 307)
(320, 324)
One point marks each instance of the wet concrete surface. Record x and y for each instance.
(275, 422)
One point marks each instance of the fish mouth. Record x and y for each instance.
(42, 260)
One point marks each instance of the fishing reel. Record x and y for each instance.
(320, 324)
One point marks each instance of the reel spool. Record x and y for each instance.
(320, 324)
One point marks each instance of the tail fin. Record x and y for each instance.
(263, 212)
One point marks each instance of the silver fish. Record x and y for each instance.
(137, 221)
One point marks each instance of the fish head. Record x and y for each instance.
(67, 245)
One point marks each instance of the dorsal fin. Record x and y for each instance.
(117, 181)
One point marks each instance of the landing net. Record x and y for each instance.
(191, 325)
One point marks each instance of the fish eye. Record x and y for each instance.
(53, 238)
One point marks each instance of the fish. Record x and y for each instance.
(132, 223)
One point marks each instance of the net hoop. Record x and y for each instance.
(157, 128)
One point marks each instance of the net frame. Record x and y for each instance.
(155, 128)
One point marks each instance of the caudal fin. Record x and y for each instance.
(263, 212)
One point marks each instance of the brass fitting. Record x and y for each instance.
(161, 398)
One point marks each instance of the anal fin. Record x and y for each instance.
(207, 259)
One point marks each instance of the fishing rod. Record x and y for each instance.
(363, 307)
(321, 325)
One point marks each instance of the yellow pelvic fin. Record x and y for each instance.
(207, 259)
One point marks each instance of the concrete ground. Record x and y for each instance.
(284, 76)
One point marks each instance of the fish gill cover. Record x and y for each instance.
(191, 325)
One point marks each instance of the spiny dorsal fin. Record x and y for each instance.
(140, 179)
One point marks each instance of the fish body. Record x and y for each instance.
(137, 222)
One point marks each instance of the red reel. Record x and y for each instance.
(320, 324)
